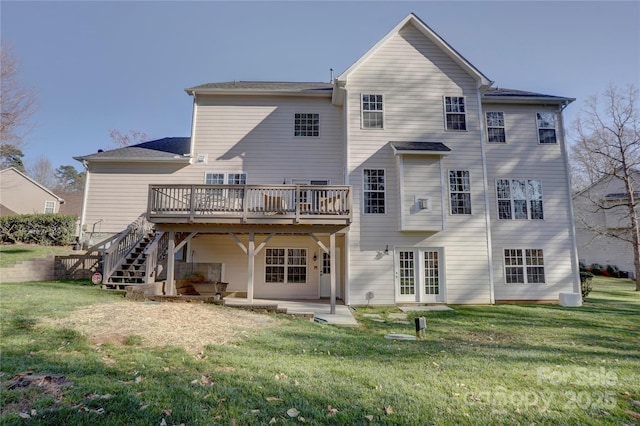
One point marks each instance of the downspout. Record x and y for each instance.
(193, 128)
(485, 179)
(347, 156)
(572, 229)
(85, 195)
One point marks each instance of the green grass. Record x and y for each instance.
(506, 364)
(13, 253)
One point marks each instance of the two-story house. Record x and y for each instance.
(408, 179)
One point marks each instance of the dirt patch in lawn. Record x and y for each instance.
(188, 325)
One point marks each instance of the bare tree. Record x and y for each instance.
(42, 172)
(608, 148)
(17, 102)
(122, 140)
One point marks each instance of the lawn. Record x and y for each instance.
(13, 253)
(506, 364)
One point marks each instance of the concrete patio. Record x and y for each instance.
(319, 310)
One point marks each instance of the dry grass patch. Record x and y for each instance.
(152, 324)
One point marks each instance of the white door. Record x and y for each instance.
(419, 275)
(325, 274)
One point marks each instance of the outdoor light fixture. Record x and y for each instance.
(315, 257)
(386, 249)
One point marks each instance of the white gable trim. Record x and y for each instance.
(412, 19)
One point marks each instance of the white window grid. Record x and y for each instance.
(218, 178)
(455, 113)
(49, 206)
(519, 199)
(374, 191)
(495, 127)
(524, 266)
(286, 265)
(372, 109)
(546, 122)
(306, 124)
(460, 191)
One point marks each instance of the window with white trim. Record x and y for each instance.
(519, 199)
(460, 191)
(372, 111)
(215, 178)
(495, 127)
(285, 265)
(374, 191)
(49, 206)
(546, 127)
(524, 266)
(306, 124)
(455, 113)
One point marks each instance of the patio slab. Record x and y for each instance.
(425, 308)
(321, 312)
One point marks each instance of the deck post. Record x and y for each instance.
(251, 264)
(171, 259)
(332, 266)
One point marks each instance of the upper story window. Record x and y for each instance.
(372, 112)
(49, 206)
(495, 127)
(460, 191)
(455, 113)
(519, 199)
(546, 127)
(222, 178)
(524, 266)
(306, 124)
(374, 191)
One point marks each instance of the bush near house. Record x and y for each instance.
(585, 283)
(40, 228)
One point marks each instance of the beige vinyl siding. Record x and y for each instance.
(256, 135)
(223, 249)
(420, 178)
(414, 75)
(119, 192)
(522, 157)
(23, 196)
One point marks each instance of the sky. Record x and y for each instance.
(97, 66)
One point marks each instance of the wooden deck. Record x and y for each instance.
(250, 204)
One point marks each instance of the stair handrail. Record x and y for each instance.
(153, 254)
(122, 246)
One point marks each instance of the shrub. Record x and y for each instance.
(50, 229)
(596, 269)
(585, 283)
(613, 271)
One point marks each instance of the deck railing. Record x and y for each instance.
(207, 202)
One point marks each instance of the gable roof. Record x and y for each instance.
(72, 203)
(493, 95)
(176, 149)
(263, 88)
(13, 169)
(412, 19)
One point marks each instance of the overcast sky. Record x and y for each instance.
(124, 65)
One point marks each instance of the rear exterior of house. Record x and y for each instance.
(406, 180)
(22, 195)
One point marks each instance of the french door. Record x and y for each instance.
(419, 275)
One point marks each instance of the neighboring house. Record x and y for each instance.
(19, 194)
(592, 222)
(425, 184)
(72, 205)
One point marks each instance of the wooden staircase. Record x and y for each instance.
(133, 268)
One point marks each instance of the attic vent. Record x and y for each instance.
(202, 158)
